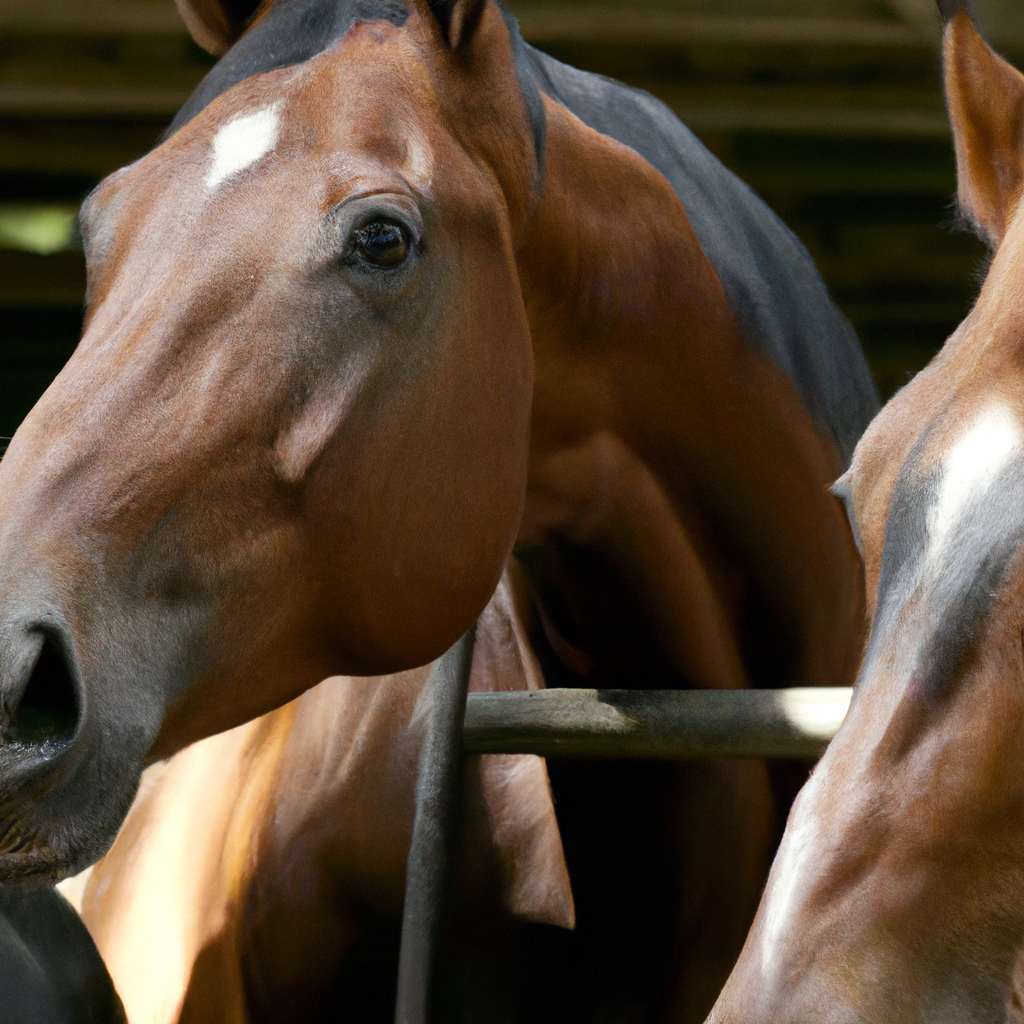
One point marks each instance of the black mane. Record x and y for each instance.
(290, 34)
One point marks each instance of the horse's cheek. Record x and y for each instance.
(425, 483)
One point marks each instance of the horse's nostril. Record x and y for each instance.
(48, 709)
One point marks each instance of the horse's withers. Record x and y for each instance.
(898, 891)
(330, 403)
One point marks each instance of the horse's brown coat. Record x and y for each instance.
(246, 417)
(318, 459)
(253, 861)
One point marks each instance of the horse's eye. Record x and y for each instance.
(381, 243)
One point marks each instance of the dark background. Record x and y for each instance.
(831, 110)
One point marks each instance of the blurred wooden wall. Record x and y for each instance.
(831, 109)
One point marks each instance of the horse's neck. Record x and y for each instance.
(660, 440)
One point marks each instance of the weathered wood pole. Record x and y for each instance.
(437, 794)
(681, 724)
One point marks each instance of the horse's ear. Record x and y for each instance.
(985, 97)
(455, 18)
(217, 24)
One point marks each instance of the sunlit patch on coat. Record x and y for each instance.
(242, 141)
(419, 162)
(789, 877)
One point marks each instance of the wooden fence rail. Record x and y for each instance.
(681, 724)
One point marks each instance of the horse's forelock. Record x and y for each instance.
(296, 32)
(289, 34)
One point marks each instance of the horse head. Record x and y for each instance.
(293, 440)
(898, 890)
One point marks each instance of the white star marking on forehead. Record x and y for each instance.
(970, 468)
(242, 141)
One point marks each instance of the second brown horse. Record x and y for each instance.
(897, 896)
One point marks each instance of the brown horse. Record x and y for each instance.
(395, 294)
(898, 891)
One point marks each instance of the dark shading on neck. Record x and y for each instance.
(295, 32)
(905, 546)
